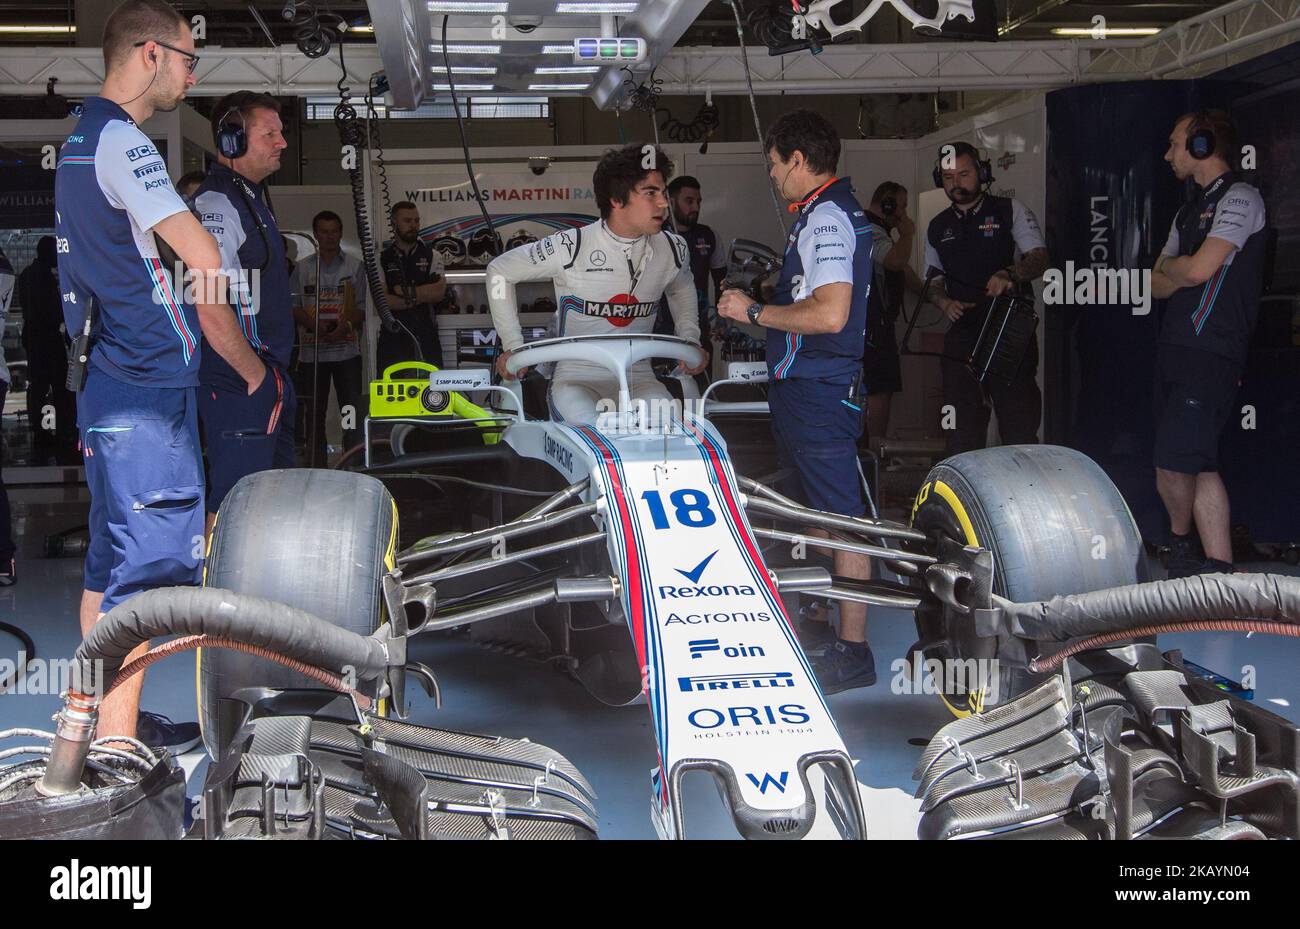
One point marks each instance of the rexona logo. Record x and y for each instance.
(768, 780)
(700, 619)
(88, 882)
(734, 720)
(702, 647)
(736, 681)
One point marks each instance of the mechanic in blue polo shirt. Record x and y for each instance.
(816, 326)
(140, 335)
(245, 433)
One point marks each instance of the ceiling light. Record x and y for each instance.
(557, 49)
(462, 69)
(468, 49)
(446, 88)
(592, 8)
(1092, 33)
(558, 86)
(466, 6)
(36, 30)
(591, 70)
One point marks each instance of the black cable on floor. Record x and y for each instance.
(28, 650)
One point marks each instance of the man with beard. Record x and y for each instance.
(707, 256)
(413, 273)
(1210, 272)
(972, 247)
(137, 409)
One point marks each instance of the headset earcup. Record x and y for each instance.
(938, 177)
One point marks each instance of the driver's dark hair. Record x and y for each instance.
(807, 132)
(620, 170)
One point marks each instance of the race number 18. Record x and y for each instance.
(691, 508)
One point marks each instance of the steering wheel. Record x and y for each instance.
(616, 353)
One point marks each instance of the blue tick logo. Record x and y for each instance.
(696, 572)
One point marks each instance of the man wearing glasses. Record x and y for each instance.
(136, 406)
(608, 279)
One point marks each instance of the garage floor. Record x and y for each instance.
(495, 693)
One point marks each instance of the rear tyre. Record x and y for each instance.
(317, 540)
(1055, 524)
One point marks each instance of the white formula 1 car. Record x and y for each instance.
(654, 572)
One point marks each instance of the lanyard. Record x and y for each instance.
(803, 205)
(633, 272)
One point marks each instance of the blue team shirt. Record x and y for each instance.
(110, 189)
(230, 207)
(829, 243)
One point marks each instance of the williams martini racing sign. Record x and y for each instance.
(524, 207)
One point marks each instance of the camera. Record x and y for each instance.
(538, 164)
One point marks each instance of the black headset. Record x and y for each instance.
(232, 138)
(1201, 141)
(984, 166)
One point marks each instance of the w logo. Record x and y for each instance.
(769, 781)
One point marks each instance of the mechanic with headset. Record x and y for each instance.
(608, 278)
(136, 350)
(892, 274)
(971, 248)
(247, 412)
(816, 326)
(1211, 272)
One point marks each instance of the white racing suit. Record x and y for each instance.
(604, 285)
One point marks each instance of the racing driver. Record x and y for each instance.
(608, 278)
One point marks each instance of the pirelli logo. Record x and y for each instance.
(148, 169)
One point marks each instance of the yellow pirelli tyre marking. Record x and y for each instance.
(390, 562)
(975, 698)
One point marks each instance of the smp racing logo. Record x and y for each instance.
(562, 455)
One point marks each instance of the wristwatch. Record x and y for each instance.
(753, 311)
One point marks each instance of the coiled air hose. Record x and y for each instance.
(275, 630)
(1203, 603)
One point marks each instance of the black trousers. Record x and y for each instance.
(397, 346)
(313, 404)
(46, 384)
(1019, 405)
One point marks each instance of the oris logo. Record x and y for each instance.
(749, 717)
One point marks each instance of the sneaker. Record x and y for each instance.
(843, 666)
(157, 731)
(814, 634)
(1185, 558)
(1214, 566)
